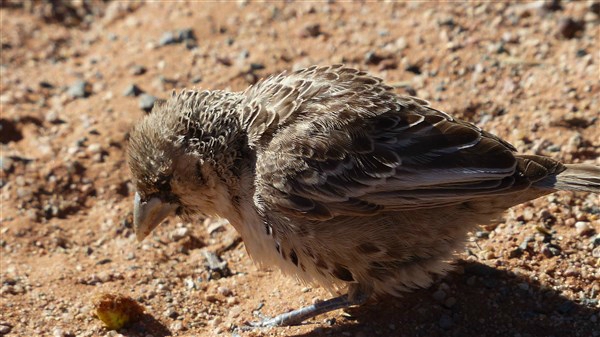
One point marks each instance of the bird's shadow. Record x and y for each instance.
(477, 301)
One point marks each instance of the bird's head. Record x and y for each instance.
(183, 158)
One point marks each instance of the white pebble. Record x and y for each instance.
(179, 233)
(582, 227)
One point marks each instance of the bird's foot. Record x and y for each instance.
(356, 296)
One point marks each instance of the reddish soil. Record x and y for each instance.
(521, 71)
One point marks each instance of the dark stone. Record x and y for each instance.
(9, 131)
(186, 34)
(373, 58)
(570, 28)
(311, 30)
(552, 6)
(515, 253)
(46, 85)
(595, 8)
(581, 53)
(413, 68)
(256, 66)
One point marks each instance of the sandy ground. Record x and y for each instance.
(526, 72)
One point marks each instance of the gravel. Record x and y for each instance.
(502, 65)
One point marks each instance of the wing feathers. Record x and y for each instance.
(341, 143)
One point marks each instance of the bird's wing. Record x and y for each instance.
(335, 141)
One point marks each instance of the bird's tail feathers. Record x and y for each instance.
(579, 177)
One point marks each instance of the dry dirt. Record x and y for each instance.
(522, 71)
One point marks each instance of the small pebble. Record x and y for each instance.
(224, 291)
(569, 28)
(171, 313)
(166, 39)
(413, 68)
(79, 89)
(94, 148)
(311, 30)
(215, 322)
(551, 6)
(596, 241)
(571, 271)
(6, 163)
(179, 233)
(137, 70)
(583, 228)
(526, 242)
(550, 251)
(372, 57)
(176, 326)
(4, 329)
(132, 90)
(186, 34)
(595, 8)
(46, 85)
(147, 102)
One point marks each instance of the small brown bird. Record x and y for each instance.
(332, 177)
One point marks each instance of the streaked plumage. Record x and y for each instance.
(329, 175)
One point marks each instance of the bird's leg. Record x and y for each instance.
(356, 296)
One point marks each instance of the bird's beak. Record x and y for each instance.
(149, 214)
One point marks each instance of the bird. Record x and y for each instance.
(330, 176)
